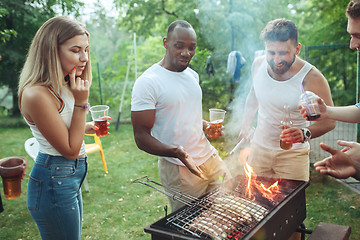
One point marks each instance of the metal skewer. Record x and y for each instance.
(237, 146)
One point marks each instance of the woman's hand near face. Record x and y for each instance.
(79, 87)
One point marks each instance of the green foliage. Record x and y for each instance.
(338, 65)
(323, 23)
(5, 34)
(10, 122)
(147, 17)
(222, 26)
(24, 17)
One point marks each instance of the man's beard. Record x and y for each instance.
(180, 67)
(287, 66)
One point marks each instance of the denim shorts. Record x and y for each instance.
(54, 196)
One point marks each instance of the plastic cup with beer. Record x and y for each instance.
(99, 115)
(217, 117)
(11, 171)
(308, 100)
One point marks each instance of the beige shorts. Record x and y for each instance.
(182, 180)
(287, 164)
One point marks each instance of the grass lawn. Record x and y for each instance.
(116, 209)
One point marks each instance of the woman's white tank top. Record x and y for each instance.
(66, 111)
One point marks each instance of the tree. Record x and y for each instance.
(5, 34)
(323, 23)
(110, 48)
(221, 26)
(25, 17)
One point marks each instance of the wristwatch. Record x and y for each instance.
(307, 134)
(86, 106)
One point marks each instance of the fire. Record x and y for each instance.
(270, 191)
(267, 192)
(235, 235)
(244, 155)
(249, 173)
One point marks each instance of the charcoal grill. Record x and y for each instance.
(259, 218)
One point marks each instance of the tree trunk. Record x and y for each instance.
(15, 109)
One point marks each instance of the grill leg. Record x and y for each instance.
(165, 210)
(302, 229)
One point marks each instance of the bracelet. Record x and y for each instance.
(86, 106)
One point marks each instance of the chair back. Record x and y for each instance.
(32, 147)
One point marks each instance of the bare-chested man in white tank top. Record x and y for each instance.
(278, 79)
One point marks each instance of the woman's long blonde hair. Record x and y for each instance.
(42, 65)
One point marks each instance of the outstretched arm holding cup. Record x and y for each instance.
(343, 163)
(350, 114)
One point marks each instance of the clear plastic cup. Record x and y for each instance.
(99, 115)
(308, 100)
(217, 117)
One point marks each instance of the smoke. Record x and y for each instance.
(235, 25)
(231, 29)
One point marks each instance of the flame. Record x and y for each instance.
(249, 173)
(270, 191)
(267, 192)
(244, 154)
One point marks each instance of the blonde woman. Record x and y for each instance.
(53, 98)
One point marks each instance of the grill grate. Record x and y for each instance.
(218, 215)
(228, 213)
